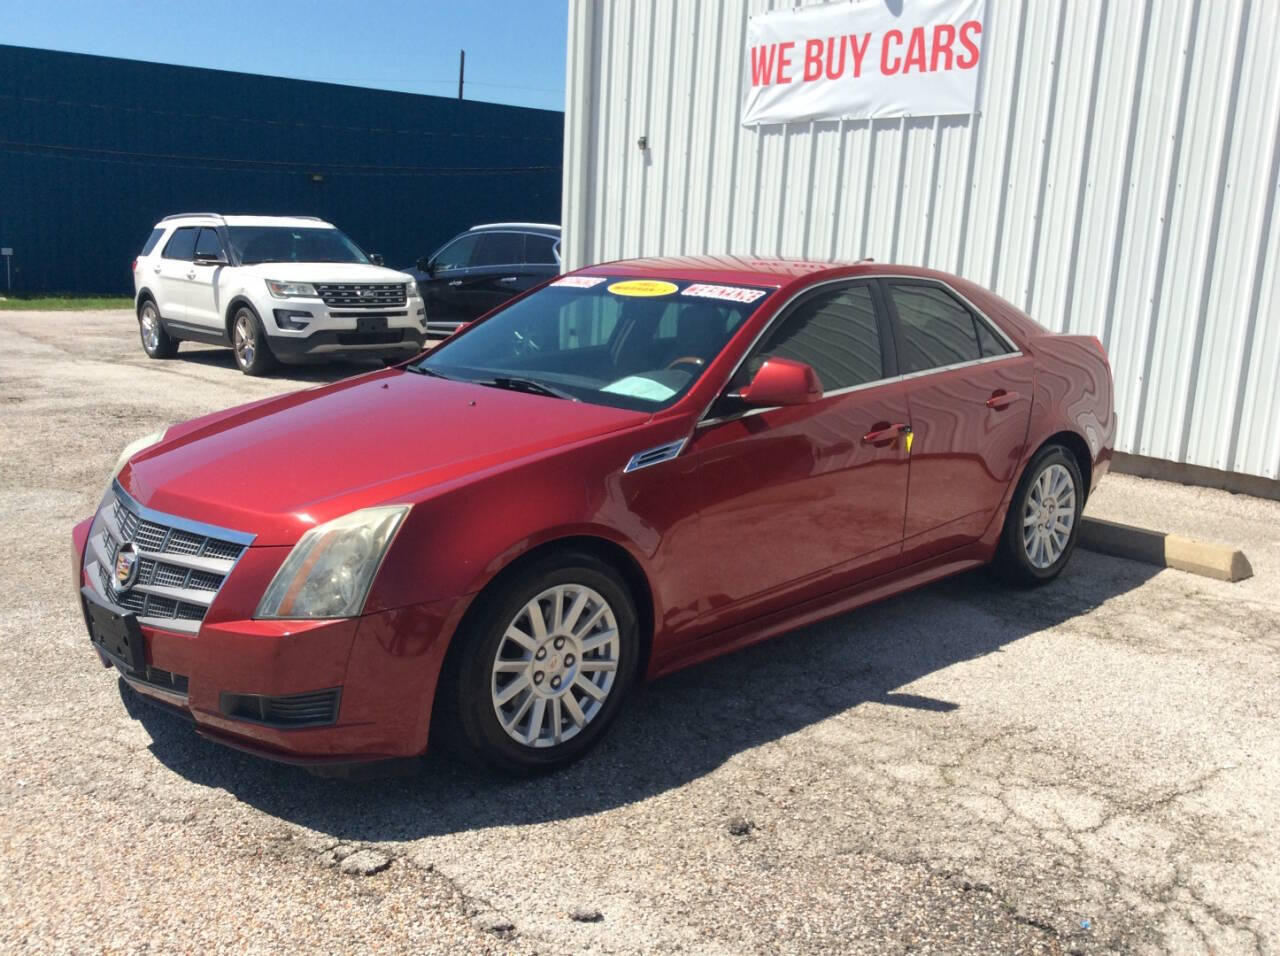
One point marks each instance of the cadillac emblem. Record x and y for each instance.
(126, 572)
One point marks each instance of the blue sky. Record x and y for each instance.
(515, 50)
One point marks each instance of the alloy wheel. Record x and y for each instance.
(150, 328)
(555, 665)
(245, 339)
(1048, 516)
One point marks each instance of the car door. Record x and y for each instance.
(799, 501)
(443, 289)
(496, 271)
(171, 273)
(203, 301)
(969, 391)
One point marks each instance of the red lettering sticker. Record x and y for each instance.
(729, 293)
(580, 282)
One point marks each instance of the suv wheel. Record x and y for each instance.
(1043, 522)
(249, 342)
(156, 342)
(543, 669)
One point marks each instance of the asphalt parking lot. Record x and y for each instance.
(1091, 766)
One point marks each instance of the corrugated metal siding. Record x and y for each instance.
(94, 150)
(1120, 180)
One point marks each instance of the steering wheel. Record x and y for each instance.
(687, 360)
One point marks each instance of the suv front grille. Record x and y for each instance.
(181, 565)
(363, 295)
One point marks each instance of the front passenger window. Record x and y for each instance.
(456, 255)
(836, 332)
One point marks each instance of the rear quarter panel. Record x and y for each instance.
(1074, 393)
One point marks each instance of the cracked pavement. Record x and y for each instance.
(1090, 766)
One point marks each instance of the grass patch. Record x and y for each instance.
(51, 303)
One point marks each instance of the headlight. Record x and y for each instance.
(283, 290)
(411, 287)
(328, 572)
(131, 449)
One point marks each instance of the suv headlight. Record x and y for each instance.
(329, 571)
(411, 287)
(283, 290)
(131, 449)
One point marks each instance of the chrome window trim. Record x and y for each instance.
(1013, 352)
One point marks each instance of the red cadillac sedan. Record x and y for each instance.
(627, 470)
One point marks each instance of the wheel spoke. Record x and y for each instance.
(598, 665)
(520, 637)
(590, 688)
(575, 712)
(518, 716)
(557, 718)
(536, 719)
(570, 619)
(510, 667)
(537, 623)
(596, 641)
(518, 684)
(592, 621)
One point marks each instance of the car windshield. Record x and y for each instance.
(629, 343)
(254, 244)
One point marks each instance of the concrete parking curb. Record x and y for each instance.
(1165, 550)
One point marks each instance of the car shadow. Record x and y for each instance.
(318, 373)
(681, 727)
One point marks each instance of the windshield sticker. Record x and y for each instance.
(637, 386)
(580, 282)
(730, 293)
(643, 288)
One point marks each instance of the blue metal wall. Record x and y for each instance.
(94, 150)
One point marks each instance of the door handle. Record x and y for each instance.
(1000, 398)
(156, 270)
(191, 274)
(508, 279)
(886, 434)
(455, 282)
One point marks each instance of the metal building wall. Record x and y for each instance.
(1120, 179)
(94, 150)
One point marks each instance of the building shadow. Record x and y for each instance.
(682, 727)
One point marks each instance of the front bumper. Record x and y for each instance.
(303, 328)
(383, 666)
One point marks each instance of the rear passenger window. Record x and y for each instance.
(936, 329)
(835, 332)
(539, 250)
(151, 241)
(182, 245)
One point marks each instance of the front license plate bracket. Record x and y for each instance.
(117, 635)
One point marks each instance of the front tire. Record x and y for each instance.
(156, 342)
(1043, 522)
(249, 343)
(542, 670)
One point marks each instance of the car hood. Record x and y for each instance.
(278, 467)
(325, 272)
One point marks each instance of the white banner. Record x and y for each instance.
(862, 61)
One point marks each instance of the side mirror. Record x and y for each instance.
(425, 267)
(782, 381)
(376, 259)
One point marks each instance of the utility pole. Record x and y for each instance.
(462, 67)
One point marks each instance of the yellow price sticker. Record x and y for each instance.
(643, 288)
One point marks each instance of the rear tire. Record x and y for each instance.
(524, 696)
(249, 343)
(156, 342)
(1043, 522)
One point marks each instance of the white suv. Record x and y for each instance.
(287, 288)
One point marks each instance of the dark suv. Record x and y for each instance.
(481, 268)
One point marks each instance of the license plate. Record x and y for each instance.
(371, 323)
(118, 635)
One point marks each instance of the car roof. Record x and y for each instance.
(544, 227)
(751, 270)
(213, 218)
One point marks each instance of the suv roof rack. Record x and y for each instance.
(509, 225)
(192, 215)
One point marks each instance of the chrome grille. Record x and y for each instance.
(362, 294)
(182, 565)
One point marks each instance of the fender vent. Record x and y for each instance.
(655, 456)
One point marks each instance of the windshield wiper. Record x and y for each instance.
(527, 385)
